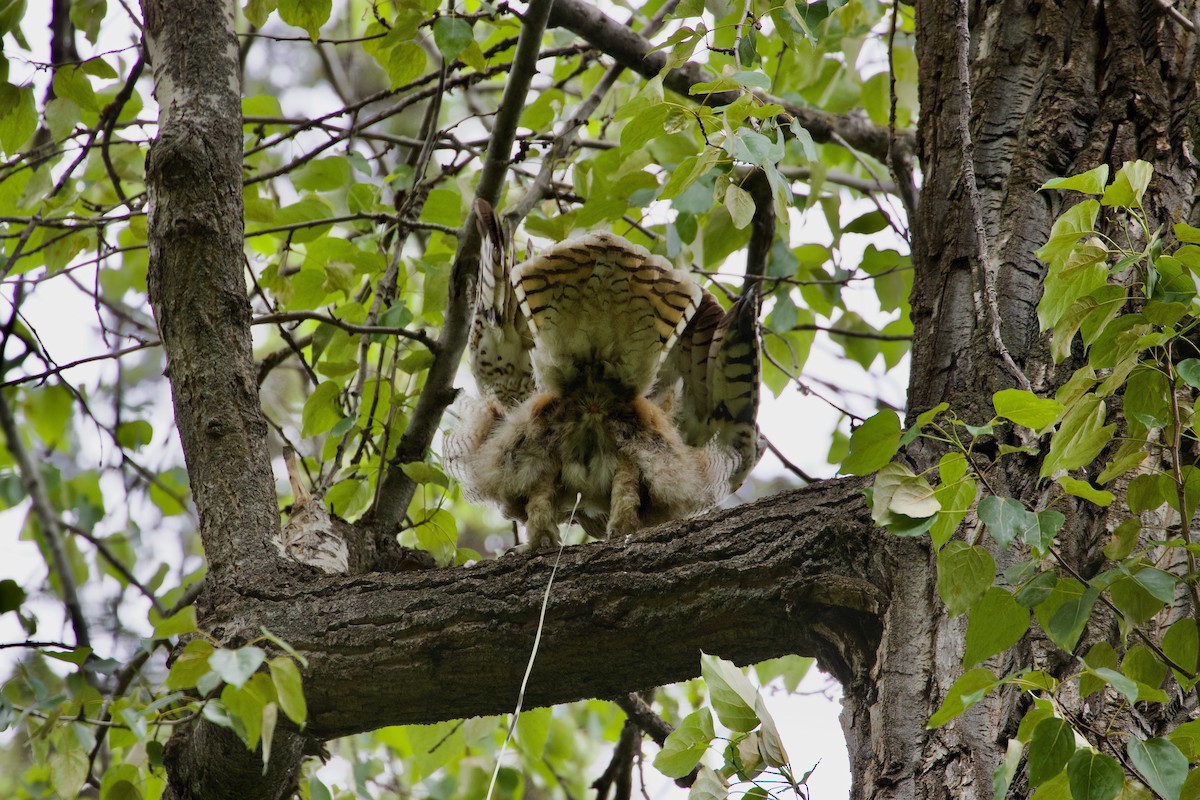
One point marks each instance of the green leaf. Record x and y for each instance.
(1160, 584)
(686, 745)
(323, 175)
(257, 11)
(1067, 230)
(1094, 776)
(1123, 684)
(1143, 666)
(236, 666)
(68, 770)
(452, 35)
(1124, 539)
(1084, 490)
(1067, 623)
(135, 435)
(1148, 492)
(177, 624)
(270, 715)
(899, 491)
(1005, 518)
(1181, 644)
(1041, 535)
(309, 15)
(873, 444)
(708, 786)
(288, 689)
(436, 534)
(1189, 371)
(1026, 408)
(322, 410)
(245, 709)
(403, 63)
(1128, 185)
(71, 82)
(955, 499)
(1187, 738)
(1050, 748)
(965, 692)
(1090, 182)
(964, 574)
(11, 595)
(1080, 437)
(18, 116)
(1160, 765)
(189, 665)
(1036, 589)
(740, 205)
(732, 695)
(996, 624)
(533, 730)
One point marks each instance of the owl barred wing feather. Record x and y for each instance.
(500, 341)
(715, 373)
(600, 300)
(733, 378)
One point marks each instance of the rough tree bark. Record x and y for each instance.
(1057, 88)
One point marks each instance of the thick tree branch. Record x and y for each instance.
(794, 573)
(633, 51)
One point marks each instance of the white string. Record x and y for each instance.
(537, 639)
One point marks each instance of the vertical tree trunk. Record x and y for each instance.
(198, 292)
(196, 281)
(1056, 89)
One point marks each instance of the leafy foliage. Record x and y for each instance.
(1125, 312)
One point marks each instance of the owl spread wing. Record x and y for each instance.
(600, 301)
(733, 378)
(500, 340)
(715, 372)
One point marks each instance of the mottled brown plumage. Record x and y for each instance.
(605, 376)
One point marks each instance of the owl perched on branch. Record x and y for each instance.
(608, 376)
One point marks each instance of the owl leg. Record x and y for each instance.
(541, 524)
(625, 499)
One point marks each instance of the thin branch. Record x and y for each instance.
(438, 393)
(31, 477)
(632, 50)
(804, 476)
(117, 564)
(64, 367)
(1175, 14)
(350, 327)
(985, 278)
(570, 129)
(273, 360)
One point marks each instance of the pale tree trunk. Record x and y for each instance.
(1057, 88)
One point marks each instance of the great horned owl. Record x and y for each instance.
(612, 386)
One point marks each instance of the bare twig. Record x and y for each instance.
(350, 327)
(64, 367)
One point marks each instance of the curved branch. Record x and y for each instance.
(633, 51)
